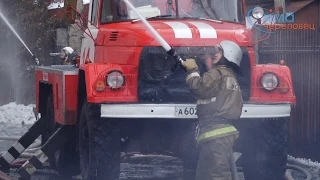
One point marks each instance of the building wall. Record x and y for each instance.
(301, 50)
(309, 14)
(75, 32)
(72, 34)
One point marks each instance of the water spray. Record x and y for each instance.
(163, 43)
(17, 35)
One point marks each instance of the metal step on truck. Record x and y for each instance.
(126, 93)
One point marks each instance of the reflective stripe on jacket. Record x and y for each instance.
(219, 98)
(217, 133)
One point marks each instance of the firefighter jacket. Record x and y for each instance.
(219, 101)
(71, 59)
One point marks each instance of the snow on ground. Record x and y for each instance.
(60, 4)
(13, 113)
(56, 5)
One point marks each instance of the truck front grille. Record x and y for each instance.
(159, 83)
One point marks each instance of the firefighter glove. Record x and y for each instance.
(190, 65)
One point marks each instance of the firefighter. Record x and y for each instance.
(68, 56)
(219, 102)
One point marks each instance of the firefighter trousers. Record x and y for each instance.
(215, 159)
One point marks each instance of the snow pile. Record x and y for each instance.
(56, 4)
(13, 113)
(60, 4)
(303, 161)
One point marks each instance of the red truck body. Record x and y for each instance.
(152, 99)
(123, 52)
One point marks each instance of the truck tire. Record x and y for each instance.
(99, 145)
(187, 151)
(264, 149)
(65, 160)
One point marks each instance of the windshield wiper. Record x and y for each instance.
(217, 21)
(154, 17)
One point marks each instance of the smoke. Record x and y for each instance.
(9, 62)
(31, 22)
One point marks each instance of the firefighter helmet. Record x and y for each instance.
(65, 52)
(69, 50)
(231, 51)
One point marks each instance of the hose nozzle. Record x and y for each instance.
(175, 55)
(36, 59)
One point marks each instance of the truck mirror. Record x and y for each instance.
(69, 11)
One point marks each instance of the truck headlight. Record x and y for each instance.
(269, 81)
(115, 79)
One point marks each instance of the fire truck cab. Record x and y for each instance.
(129, 95)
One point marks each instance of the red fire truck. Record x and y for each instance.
(127, 94)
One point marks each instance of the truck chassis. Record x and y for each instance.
(145, 128)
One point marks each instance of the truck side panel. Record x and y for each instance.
(71, 90)
(63, 80)
(57, 97)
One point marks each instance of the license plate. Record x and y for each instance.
(186, 111)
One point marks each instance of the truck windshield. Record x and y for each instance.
(225, 10)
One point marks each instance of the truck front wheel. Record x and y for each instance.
(185, 148)
(264, 148)
(99, 145)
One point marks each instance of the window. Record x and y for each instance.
(228, 10)
(113, 10)
(241, 14)
(94, 12)
(106, 14)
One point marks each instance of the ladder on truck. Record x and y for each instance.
(41, 156)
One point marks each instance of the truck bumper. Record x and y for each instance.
(188, 111)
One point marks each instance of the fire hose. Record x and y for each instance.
(157, 36)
